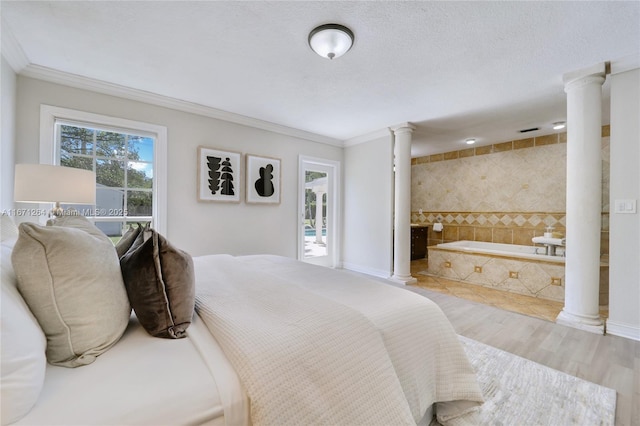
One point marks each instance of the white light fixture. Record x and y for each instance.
(470, 141)
(331, 40)
(559, 125)
(44, 183)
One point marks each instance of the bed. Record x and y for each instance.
(272, 341)
(128, 385)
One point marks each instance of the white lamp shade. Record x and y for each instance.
(331, 40)
(44, 183)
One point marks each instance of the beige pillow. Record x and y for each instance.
(69, 275)
(160, 282)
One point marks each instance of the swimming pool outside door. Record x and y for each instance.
(317, 211)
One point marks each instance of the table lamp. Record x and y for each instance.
(44, 183)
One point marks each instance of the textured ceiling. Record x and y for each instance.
(454, 69)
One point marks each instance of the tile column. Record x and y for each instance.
(584, 199)
(402, 204)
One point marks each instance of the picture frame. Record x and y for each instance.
(263, 177)
(219, 177)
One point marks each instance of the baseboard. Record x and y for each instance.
(380, 273)
(623, 330)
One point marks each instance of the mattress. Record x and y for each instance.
(146, 380)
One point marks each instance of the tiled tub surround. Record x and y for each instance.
(499, 227)
(504, 193)
(507, 267)
(493, 227)
(515, 180)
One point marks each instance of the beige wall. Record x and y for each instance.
(368, 207)
(7, 151)
(197, 227)
(624, 318)
(506, 193)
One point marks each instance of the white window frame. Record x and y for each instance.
(48, 147)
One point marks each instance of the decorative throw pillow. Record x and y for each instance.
(160, 282)
(127, 240)
(23, 360)
(8, 229)
(68, 273)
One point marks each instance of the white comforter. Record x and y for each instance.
(319, 346)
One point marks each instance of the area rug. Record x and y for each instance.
(521, 392)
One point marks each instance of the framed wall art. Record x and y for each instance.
(263, 179)
(218, 175)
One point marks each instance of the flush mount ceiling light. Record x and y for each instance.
(559, 125)
(331, 40)
(470, 141)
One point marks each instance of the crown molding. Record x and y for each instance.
(11, 49)
(406, 125)
(625, 64)
(594, 73)
(378, 134)
(80, 82)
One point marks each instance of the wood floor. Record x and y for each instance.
(610, 361)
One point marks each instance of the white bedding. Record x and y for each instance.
(307, 345)
(318, 346)
(145, 380)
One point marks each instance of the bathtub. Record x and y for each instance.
(507, 267)
(506, 250)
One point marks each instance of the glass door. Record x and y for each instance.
(317, 235)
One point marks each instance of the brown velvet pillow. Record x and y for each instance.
(127, 240)
(160, 283)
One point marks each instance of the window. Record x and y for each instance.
(123, 164)
(129, 159)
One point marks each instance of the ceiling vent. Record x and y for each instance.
(533, 129)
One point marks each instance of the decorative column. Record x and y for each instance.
(402, 205)
(319, 216)
(584, 199)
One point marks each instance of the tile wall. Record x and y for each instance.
(532, 278)
(506, 193)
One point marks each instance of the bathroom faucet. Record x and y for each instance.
(550, 244)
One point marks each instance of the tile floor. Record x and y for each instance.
(527, 305)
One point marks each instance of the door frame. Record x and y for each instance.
(333, 208)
